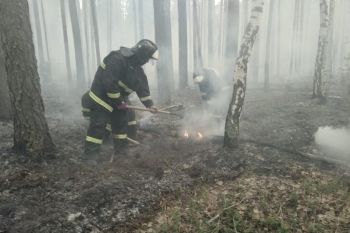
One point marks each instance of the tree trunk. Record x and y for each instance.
(141, 20)
(329, 46)
(183, 64)
(300, 44)
(319, 84)
(164, 43)
(95, 30)
(211, 20)
(65, 40)
(240, 76)
(221, 29)
(47, 64)
(292, 64)
(278, 38)
(109, 25)
(232, 33)
(268, 47)
(5, 105)
(87, 23)
(39, 37)
(80, 70)
(197, 45)
(31, 133)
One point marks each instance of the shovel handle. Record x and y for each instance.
(147, 109)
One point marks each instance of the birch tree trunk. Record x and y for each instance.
(240, 76)
(31, 133)
(80, 71)
(65, 40)
(183, 63)
(319, 84)
(164, 43)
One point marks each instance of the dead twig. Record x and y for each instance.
(222, 211)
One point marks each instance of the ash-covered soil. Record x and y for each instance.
(63, 194)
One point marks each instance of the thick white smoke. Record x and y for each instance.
(334, 141)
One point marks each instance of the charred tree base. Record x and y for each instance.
(321, 99)
(230, 142)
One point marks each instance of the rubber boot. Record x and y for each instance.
(120, 147)
(91, 151)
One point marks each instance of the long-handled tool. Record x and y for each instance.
(129, 140)
(150, 110)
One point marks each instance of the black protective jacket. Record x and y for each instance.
(114, 80)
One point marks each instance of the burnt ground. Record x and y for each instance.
(64, 194)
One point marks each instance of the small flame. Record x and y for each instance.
(200, 136)
(186, 134)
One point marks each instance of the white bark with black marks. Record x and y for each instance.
(240, 76)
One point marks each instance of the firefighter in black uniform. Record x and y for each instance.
(119, 75)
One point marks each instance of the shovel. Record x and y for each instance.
(149, 110)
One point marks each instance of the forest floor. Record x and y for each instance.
(278, 180)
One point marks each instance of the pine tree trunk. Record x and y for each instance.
(300, 40)
(141, 20)
(86, 20)
(5, 105)
(164, 43)
(221, 31)
(197, 45)
(232, 34)
(211, 20)
(47, 68)
(65, 40)
(80, 70)
(31, 133)
(278, 39)
(329, 47)
(183, 64)
(95, 30)
(39, 37)
(292, 69)
(319, 84)
(135, 21)
(109, 25)
(268, 47)
(240, 76)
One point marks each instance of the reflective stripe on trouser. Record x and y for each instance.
(96, 132)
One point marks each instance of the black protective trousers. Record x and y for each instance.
(122, 124)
